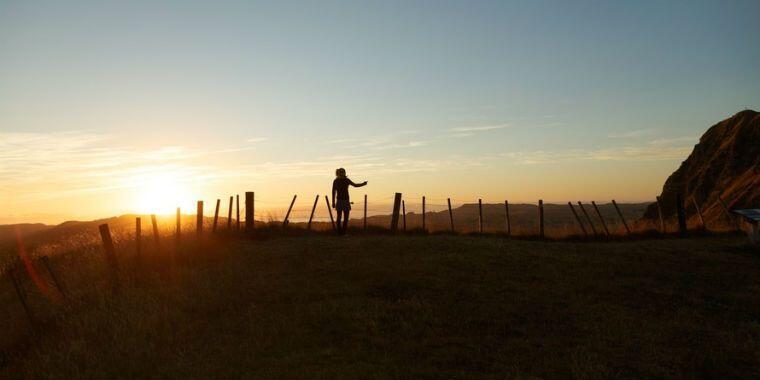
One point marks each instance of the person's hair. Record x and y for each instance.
(340, 172)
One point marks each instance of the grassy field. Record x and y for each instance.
(439, 306)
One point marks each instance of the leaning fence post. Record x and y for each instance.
(287, 215)
(113, 264)
(682, 228)
(588, 218)
(578, 219)
(451, 215)
(365, 212)
(659, 214)
(329, 211)
(424, 229)
(22, 298)
(311, 216)
(199, 219)
(601, 219)
(480, 215)
(46, 262)
(728, 213)
(541, 218)
(699, 212)
(229, 215)
(138, 237)
(396, 209)
(237, 211)
(403, 213)
(506, 214)
(249, 211)
(620, 214)
(155, 228)
(216, 216)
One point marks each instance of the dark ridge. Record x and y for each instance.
(725, 163)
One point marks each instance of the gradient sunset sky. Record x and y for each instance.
(139, 106)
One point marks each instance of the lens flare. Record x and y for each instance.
(31, 270)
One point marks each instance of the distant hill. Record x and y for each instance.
(67, 235)
(725, 163)
(8, 231)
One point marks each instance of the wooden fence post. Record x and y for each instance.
(138, 237)
(287, 215)
(199, 219)
(229, 215)
(620, 214)
(105, 236)
(179, 225)
(329, 211)
(424, 227)
(506, 214)
(249, 211)
(22, 298)
(578, 219)
(451, 215)
(46, 262)
(682, 228)
(216, 216)
(403, 213)
(311, 216)
(237, 211)
(396, 209)
(541, 218)
(480, 215)
(731, 217)
(699, 212)
(601, 219)
(113, 264)
(365, 212)
(588, 218)
(659, 213)
(155, 229)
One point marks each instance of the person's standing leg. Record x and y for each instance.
(338, 219)
(345, 221)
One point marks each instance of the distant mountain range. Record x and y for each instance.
(725, 163)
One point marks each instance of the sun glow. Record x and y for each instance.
(160, 193)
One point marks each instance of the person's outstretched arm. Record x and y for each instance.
(357, 184)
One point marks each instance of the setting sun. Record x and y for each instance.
(159, 193)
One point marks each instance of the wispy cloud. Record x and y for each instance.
(45, 165)
(391, 142)
(254, 140)
(632, 134)
(684, 140)
(479, 129)
(375, 141)
(677, 148)
(40, 166)
(410, 144)
(473, 130)
(337, 141)
(642, 153)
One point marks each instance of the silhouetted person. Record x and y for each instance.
(343, 203)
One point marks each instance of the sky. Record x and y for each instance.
(113, 107)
